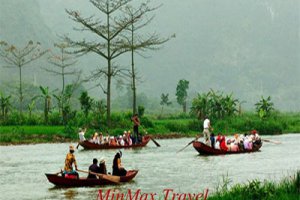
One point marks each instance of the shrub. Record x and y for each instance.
(177, 127)
(55, 118)
(146, 122)
(195, 125)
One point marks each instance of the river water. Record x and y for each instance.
(22, 168)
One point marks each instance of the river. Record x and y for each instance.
(23, 167)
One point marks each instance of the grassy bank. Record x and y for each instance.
(168, 127)
(287, 189)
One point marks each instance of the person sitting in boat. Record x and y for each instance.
(221, 138)
(69, 161)
(100, 138)
(212, 140)
(113, 141)
(118, 169)
(234, 145)
(106, 139)
(125, 138)
(95, 138)
(93, 168)
(81, 134)
(255, 138)
(102, 166)
(217, 144)
(239, 139)
(129, 137)
(247, 142)
(121, 141)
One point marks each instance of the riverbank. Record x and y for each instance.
(288, 189)
(163, 128)
(17, 135)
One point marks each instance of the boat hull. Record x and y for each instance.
(89, 145)
(203, 149)
(84, 182)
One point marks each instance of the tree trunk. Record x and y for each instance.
(109, 74)
(184, 107)
(46, 110)
(20, 91)
(133, 74)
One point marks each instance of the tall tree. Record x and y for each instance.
(62, 63)
(164, 101)
(181, 93)
(138, 43)
(86, 103)
(110, 45)
(18, 58)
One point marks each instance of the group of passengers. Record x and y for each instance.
(121, 140)
(94, 169)
(98, 138)
(237, 143)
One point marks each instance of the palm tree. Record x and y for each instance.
(46, 95)
(164, 101)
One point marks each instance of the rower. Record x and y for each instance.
(70, 160)
(81, 134)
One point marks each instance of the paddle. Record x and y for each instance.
(155, 142)
(114, 179)
(186, 146)
(271, 141)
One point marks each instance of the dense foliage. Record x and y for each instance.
(215, 105)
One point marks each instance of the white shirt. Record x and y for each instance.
(81, 136)
(206, 123)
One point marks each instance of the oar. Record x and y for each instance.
(271, 141)
(114, 179)
(155, 142)
(186, 146)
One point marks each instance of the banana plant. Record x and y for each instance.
(5, 105)
(46, 95)
(264, 107)
(30, 107)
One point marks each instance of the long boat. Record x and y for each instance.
(90, 145)
(207, 150)
(61, 181)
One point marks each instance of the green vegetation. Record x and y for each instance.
(182, 125)
(288, 188)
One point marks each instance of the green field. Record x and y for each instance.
(167, 127)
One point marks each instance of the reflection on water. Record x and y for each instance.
(23, 167)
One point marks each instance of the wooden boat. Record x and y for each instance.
(61, 181)
(90, 145)
(207, 150)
